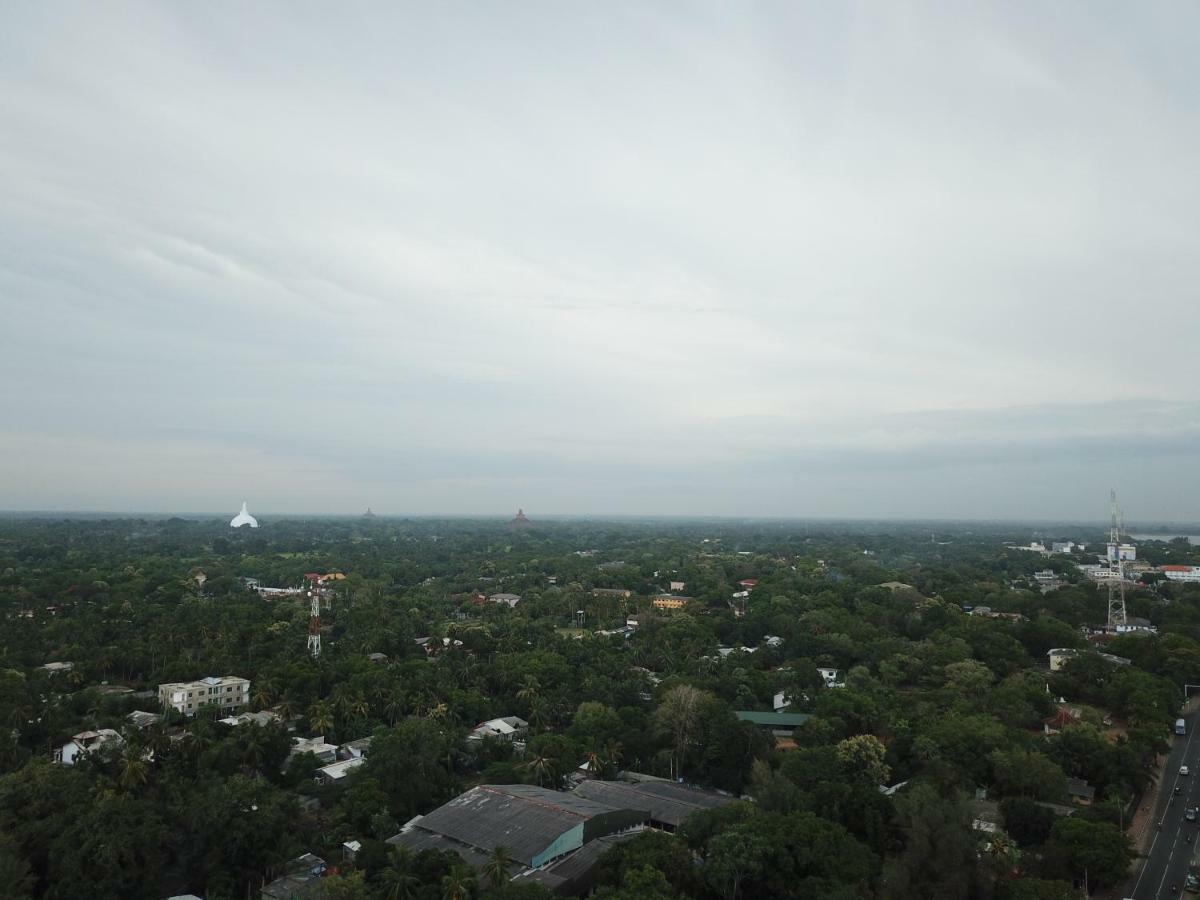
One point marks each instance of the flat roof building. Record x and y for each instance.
(536, 825)
(228, 692)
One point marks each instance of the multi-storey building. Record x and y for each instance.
(228, 692)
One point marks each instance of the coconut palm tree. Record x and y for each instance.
(398, 884)
(265, 692)
(320, 717)
(134, 769)
(495, 870)
(459, 884)
(529, 690)
(393, 707)
(542, 767)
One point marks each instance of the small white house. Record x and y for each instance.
(87, 742)
(332, 774)
(508, 728)
(325, 753)
(830, 677)
(509, 600)
(356, 749)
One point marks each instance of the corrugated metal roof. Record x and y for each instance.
(667, 802)
(522, 818)
(778, 720)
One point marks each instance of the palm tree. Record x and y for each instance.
(265, 692)
(612, 753)
(393, 707)
(398, 884)
(537, 716)
(359, 707)
(541, 766)
(595, 762)
(529, 690)
(134, 770)
(340, 700)
(495, 870)
(459, 884)
(320, 717)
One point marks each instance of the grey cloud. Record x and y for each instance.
(641, 259)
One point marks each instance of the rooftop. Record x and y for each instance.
(773, 719)
(523, 818)
(667, 802)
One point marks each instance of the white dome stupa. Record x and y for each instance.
(243, 518)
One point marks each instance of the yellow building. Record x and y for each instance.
(669, 601)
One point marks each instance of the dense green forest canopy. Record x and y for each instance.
(948, 704)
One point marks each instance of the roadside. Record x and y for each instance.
(1141, 827)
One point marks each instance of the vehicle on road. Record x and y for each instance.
(1183, 770)
(1181, 726)
(1176, 791)
(1190, 814)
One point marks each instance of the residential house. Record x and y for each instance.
(379, 659)
(336, 772)
(830, 677)
(302, 879)
(325, 753)
(229, 693)
(1080, 792)
(57, 668)
(261, 719)
(509, 600)
(677, 586)
(87, 742)
(356, 749)
(141, 720)
(508, 728)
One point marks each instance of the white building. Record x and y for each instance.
(507, 729)
(510, 599)
(1181, 573)
(243, 518)
(87, 742)
(325, 753)
(229, 692)
(830, 677)
(334, 773)
(54, 668)
(261, 719)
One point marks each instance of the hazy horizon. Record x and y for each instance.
(861, 261)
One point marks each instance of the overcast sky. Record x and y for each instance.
(827, 259)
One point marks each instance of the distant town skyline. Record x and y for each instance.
(788, 260)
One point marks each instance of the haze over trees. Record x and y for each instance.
(951, 706)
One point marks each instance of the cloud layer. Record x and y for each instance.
(888, 259)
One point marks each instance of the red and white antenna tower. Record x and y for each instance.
(314, 617)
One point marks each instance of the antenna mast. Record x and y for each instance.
(314, 619)
(1116, 592)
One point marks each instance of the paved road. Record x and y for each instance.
(1170, 851)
